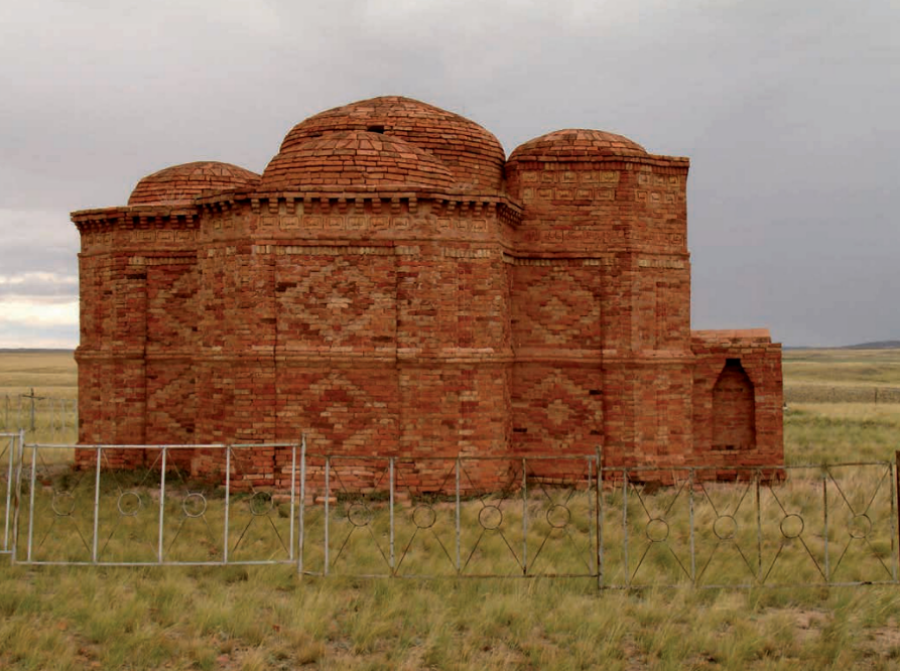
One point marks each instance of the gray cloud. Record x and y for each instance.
(788, 112)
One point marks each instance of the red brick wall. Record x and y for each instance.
(419, 325)
(755, 360)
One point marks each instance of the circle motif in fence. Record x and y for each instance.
(63, 504)
(791, 526)
(859, 526)
(424, 517)
(261, 503)
(725, 527)
(490, 518)
(194, 505)
(129, 504)
(657, 530)
(359, 515)
(558, 517)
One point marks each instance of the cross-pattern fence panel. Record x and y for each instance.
(435, 517)
(785, 525)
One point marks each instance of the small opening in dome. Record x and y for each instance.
(375, 129)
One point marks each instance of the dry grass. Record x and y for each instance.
(838, 376)
(48, 373)
(266, 617)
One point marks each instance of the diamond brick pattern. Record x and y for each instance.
(392, 287)
(337, 302)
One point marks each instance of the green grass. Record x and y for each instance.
(837, 376)
(266, 617)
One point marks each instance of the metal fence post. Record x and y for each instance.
(17, 495)
(391, 466)
(11, 450)
(895, 522)
(625, 526)
(825, 515)
(96, 506)
(759, 562)
(524, 517)
(162, 505)
(598, 511)
(34, 459)
(227, 502)
(589, 492)
(293, 500)
(301, 527)
(693, 547)
(457, 519)
(327, 496)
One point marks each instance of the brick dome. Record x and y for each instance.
(353, 161)
(473, 154)
(576, 145)
(180, 184)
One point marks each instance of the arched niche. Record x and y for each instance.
(733, 409)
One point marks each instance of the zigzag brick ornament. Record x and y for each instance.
(392, 285)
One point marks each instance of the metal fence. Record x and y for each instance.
(157, 514)
(400, 517)
(50, 419)
(9, 457)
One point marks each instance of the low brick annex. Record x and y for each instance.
(393, 284)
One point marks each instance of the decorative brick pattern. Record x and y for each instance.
(391, 287)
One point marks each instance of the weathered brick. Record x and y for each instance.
(389, 286)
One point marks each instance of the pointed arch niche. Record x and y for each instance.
(734, 409)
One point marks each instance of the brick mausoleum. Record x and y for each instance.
(393, 285)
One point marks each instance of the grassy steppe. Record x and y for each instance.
(265, 617)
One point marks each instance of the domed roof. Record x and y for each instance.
(576, 145)
(355, 160)
(180, 184)
(473, 155)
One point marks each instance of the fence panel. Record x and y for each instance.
(765, 526)
(45, 419)
(159, 513)
(374, 516)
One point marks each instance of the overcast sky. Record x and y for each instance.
(788, 109)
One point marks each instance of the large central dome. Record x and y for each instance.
(472, 154)
(354, 161)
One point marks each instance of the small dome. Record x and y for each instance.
(180, 184)
(354, 160)
(472, 154)
(576, 145)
